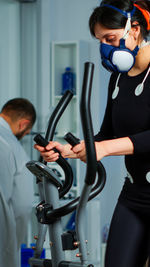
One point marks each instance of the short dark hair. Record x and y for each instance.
(113, 19)
(18, 108)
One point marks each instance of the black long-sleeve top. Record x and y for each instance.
(128, 115)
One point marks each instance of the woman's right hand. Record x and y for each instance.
(50, 155)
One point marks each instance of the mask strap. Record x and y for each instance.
(124, 13)
(127, 27)
(117, 81)
(146, 75)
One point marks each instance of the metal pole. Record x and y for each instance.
(55, 229)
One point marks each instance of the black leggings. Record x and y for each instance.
(129, 238)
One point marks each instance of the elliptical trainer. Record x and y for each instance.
(51, 188)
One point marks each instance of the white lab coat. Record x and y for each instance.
(16, 196)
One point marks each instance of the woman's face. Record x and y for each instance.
(113, 36)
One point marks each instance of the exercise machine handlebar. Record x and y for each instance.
(87, 123)
(40, 140)
(58, 111)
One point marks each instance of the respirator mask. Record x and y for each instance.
(119, 59)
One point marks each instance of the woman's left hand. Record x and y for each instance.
(80, 151)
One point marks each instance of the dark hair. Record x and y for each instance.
(113, 19)
(19, 108)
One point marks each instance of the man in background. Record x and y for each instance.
(16, 182)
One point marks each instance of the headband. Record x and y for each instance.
(146, 15)
(124, 13)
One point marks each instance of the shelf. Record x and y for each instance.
(71, 54)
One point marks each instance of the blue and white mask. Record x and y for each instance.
(119, 59)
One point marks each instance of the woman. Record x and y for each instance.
(122, 27)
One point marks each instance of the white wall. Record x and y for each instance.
(9, 50)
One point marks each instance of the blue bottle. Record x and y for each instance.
(67, 80)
